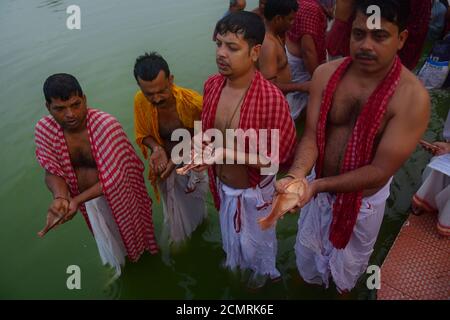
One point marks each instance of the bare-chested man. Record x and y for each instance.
(160, 108)
(305, 46)
(90, 165)
(365, 117)
(273, 61)
(240, 97)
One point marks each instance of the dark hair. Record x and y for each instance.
(395, 11)
(282, 8)
(148, 66)
(61, 86)
(249, 24)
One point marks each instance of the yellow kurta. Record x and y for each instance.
(189, 108)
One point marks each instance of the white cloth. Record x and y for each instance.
(183, 211)
(434, 194)
(446, 132)
(106, 233)
(297, 100)
(245, 244)
(317, 258)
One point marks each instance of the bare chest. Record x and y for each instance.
(80, 150)
(168, 121)
(229, 110)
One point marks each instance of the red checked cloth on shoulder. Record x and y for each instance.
(310, 19)
(360, 149)
(264, 107)
(120, 173)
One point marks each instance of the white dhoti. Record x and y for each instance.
(106, 233)
(245, 244)
(184, 203)
(318, 259)
(297, 100)
(434, 196)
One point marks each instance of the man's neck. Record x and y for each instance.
(242, 82)
(271, 30)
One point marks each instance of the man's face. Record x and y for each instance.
(70, 114)
(374, 50)
(159, 90)
(284, 23)
(233, 56)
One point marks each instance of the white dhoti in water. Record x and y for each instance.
(245, 244)
(106, 233)
(184, 203)
(318, 259)
(297, 100)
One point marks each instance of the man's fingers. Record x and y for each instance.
(43, 232)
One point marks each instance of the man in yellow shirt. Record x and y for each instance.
(160, 108)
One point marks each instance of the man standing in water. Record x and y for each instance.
(160, 108)
(273, 62)
(240, 98)
(305, 47)
(91, 166)
(365, 117)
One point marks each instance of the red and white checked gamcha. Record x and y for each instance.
(120, 173)
(264, 107)
(360, 149)
(310, 19)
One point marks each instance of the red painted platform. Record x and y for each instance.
(418, 265)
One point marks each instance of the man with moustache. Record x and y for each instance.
(365, 116)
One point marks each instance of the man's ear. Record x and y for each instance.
(171, 78)
(254, 53)
(47, 105)
(403, 36)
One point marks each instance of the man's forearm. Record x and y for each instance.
(305, 157)
(364, 178)
(57, 186)
(150, 142)
(311, 61)
(91, 193)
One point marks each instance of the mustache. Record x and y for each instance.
(366, 55)
(221, 61)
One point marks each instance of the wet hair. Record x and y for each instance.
(248, 24)
(149, 65)
(394, 11)
(282, 8)
(61, 86)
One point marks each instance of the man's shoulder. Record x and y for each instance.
(191, 93)
(269, 90)
(97, 116)
(410, 91)
(324, 71)
(48, 124)
(311, 7)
